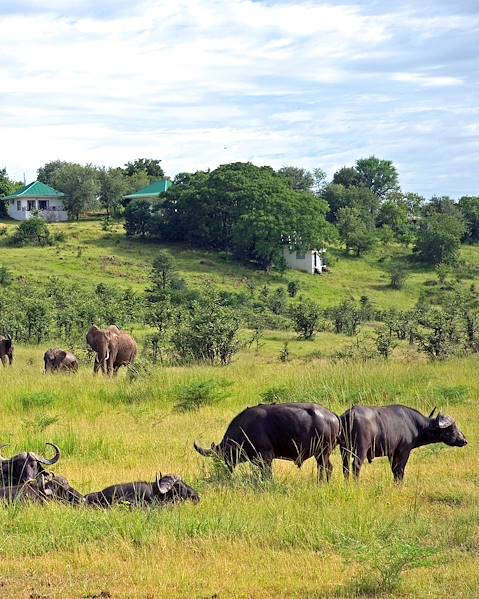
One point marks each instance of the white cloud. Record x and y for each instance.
(300, 82)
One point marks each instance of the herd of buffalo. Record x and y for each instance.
(260, 434)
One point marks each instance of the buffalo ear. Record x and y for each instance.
(444, 421)
(432, 413)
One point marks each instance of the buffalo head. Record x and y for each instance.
(170, 489)
(446, 431)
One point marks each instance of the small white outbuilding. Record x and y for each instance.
(311, 261)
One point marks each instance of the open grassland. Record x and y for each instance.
(90, 256)
(289, 538)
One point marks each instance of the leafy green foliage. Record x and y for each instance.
(380, 176)
(207, 332)
(247, 210)
(5, 276)
(306, 317)
(439, 238)
(33, 231)
(196, 394)
(357, 231)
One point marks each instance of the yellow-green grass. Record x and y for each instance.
(247, 538)
(90, 255)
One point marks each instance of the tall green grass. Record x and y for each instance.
(248, 537)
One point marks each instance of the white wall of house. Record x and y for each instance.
(51, 209)
(303, 261)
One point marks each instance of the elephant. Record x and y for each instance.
(59, 359)
(6, 350)
(113, 348)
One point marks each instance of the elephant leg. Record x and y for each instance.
(4, 360)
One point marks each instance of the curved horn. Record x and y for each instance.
(1, 447)
(208, 453)
(54, 459)
(9, 337)
(432, 413)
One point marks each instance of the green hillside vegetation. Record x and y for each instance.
(90, 255)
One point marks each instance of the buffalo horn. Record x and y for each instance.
(54, 459)
(1, 447)
(432, 413)
(205, 452)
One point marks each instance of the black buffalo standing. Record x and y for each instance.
(392, 431)
(25, 466)
(166, 489)
(289, 431)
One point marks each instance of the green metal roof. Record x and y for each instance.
(36, 189)
(150, 191)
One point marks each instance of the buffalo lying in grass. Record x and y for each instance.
(44, 488)
(392, 431)
(25, 466)
(289, 431)
(165, 489)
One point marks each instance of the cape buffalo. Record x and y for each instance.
(25, 466)
(42, 489)
(392, 431)
(289, 431)
(166, 489)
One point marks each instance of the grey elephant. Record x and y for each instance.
(59, 359)
(6, 350)
(113, 348)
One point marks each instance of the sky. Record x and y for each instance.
(198, 83)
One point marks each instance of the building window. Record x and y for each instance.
(31, 205)
(42, 204)
(300, 256)
(19, 204)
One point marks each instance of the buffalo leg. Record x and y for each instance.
(4, 360)
(358, 461)
(324, 465)
(346, 457)
(398, 465)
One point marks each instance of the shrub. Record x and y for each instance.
(3, 231)
(33, 231)
(201, 393)
(208, 332)
(305, 316)
(346, 317)
(293, 288)
(276, 394)
(5, 276)
(398, 274)
(385, 343)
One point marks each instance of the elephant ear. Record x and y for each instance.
(61, 355)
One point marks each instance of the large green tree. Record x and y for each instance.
(149, 166)
(439, 238)
(81, 187)
(248, 210)
(469, 207)
(113, 186)
(356, 228)
(380, 176)
(299, 179)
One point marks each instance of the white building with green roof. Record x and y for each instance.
(150, 192)
(36, 198)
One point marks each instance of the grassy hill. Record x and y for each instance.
(247, 539)
(91, 255)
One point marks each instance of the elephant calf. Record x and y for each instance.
(59, 359)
